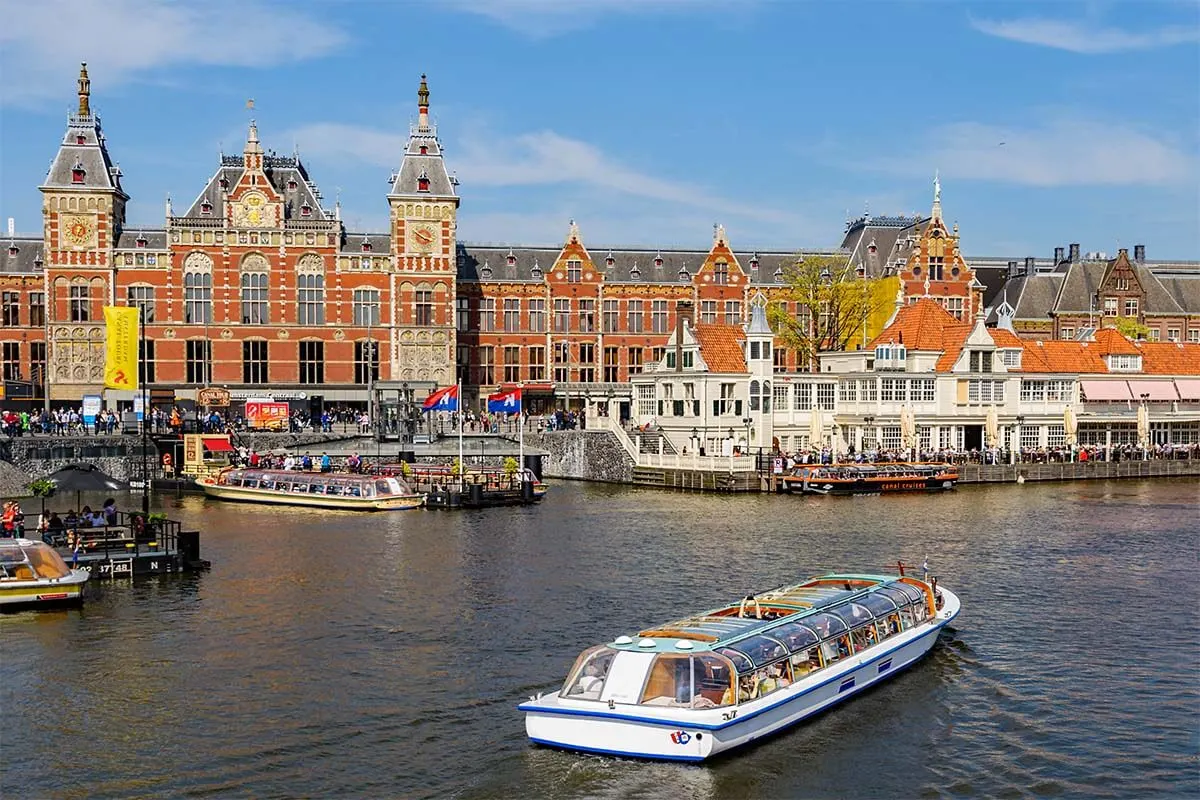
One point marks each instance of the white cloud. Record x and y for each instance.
(544, 158)
(1064, 152)
(546, 18)
(125, 40)
(1083, 37)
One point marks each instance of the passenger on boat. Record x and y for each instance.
(768, 681)
(592, 680)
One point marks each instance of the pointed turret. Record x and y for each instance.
(252, 154)
(937, 198)
(422, 173)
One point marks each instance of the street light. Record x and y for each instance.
(747, 421)
(867, 422)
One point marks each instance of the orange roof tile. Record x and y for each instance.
(918, 326)
(1005, 338)
(1169, 358)
(1060, 356)
(721, 347)
(1110, 341)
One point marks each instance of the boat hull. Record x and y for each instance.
(867, 486)
(248, 495)
(674, 734)
(43, 592)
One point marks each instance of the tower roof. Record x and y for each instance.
(82, 161)
(422, 172)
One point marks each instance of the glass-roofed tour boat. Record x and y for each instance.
(704, 685)
(338, 490)
(33, 574)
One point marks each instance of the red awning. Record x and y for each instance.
(217, 444)
(538, 387)
(1157, 390)
(1188, 388)
(1100, 390)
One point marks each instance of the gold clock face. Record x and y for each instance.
(77, 230)
(424, 238)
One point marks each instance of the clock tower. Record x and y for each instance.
(83, 210)
(423, 219)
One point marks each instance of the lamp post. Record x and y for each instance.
(1016, 449)
(867, 422)
(695, 440)
(747, 421)
(1146, 413)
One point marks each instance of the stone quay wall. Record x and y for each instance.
(583, 455)
(1078, 471)
(25, 458)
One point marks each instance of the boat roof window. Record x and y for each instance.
(878, 604)
(795, 636)
(852, 614)
(825, 625)
(741, 662)
(760, 649)
(898, 597)
(914, 594)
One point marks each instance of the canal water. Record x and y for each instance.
(342, 655)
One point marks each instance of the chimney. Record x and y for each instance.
(1029, 267)
(1074, 252)
(1139, 253)
(683, 316)
(1012, 269)
(1058, 255)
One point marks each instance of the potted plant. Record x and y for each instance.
(456, 467)
(42, 488)
(510, 467)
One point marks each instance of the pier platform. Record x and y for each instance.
(131, 549)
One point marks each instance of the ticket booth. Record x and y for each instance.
(205, 455)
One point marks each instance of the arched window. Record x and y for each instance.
(310, 291)
(766, 397)
(754, 395)
(255, 308)
(197, 289)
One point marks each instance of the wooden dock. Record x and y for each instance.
(131, 549)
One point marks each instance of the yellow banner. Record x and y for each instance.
(121, 347)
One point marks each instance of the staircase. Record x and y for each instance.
(654, 442)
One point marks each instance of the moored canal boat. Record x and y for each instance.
(870, 478)
(707, 684)
(333, 490)
(33, 574)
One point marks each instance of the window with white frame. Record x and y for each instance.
(848, 391)
(310, 302)
(1056, 436)
(868, 390)
(1193, 335)
(891, 437)
(366, 307)
(1172, 334)
(1031, 436)
(647, 407)
(825, 396)
(1131, 307)
(945, 437)
(802, 396)
(1011, 357)
(537, 315)
(658, 315)
(1122, 362)
(781, 395)
(636, 316)
(1067, 334)
(985, 391)
(925, 437)
(923, 390)
(708, 311)
(733, 312)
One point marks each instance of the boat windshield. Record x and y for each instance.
(795, 636)
(23, 559)
(852, 614)
(825, 625)
(587, 677)
(759, 649)
(915, 595)
(878, 604)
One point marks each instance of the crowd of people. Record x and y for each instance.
(53, 528)
(997, 455)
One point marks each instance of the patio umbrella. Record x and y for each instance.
(1070, 426)
(80, 478)
(991, 427)
(1143, 426)
(908, 428)
(816, 422)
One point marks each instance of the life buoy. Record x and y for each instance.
(757, 607)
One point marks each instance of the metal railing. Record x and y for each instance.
(698, 462)
(131, 536)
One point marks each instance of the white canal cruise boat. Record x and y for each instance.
(338, 490)
(704, 685)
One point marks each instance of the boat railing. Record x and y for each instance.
(132, 535)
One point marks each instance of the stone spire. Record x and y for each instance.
(937, 197)
(252, 155)
(423, 105)
(85, 91)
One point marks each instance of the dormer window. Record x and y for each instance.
(485, 271)
(291, 184)
(981, 361)
(80, 139)
(510, 259)
(635, 274)
(206, 208)
(13, 250)
(366, 246)
(754, 261)
(609, 261)
(78, 173)
(890, 356)
(306, 210)
(224, 184)
(140, 241)
(536, 272)
(658, 261)
(423, 150)
(778, 275)
(1121, 362)
(684, 275)
(423, 182)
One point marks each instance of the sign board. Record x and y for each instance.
(777, 466)
(139, 407)
(266, 415)
(213, 396)
(91, 408)
(252, 394)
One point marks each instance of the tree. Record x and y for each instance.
(834, 306)
(1130, 328)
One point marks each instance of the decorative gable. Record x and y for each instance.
(720, 266)
(574, 263)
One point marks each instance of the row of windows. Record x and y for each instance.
(868, 390)
(1050, 390)
(567, 316)
(255, 361)
(570, 361)
(10, 309)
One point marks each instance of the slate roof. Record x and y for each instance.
(1184, 289)
(428, 164)
(721, 347)
(381, 243)
(628, 265)
(155, 239)
(893, 238)
(1031, 296)
(99, 170)
(27, 258)
(280, 170)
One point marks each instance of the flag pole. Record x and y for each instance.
(458, 404)
(521, 439)
(145, 414)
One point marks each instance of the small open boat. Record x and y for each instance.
(870, 478)
(709, 683)
(337, 490)
(33, 574)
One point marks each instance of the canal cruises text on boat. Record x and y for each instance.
(32, 574)
(712, 682)
(336, 490)
(870, 478)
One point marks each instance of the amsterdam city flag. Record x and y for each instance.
(121, 347)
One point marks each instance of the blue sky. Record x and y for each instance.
(646, 120)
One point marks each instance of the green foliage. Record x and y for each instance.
(456, 467)
(42, 488)
(406, 469)
(510, 466)
(156, 518)
(832, 306)
(1130, 328)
